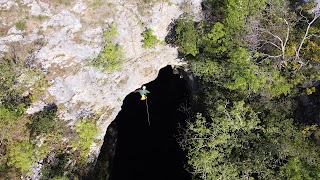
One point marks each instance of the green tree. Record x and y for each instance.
(233, 143)
(216, 42)
(245, 76)
(249, 126)
(211, 143)
(300, 169)
(239, 11)
(186, 37)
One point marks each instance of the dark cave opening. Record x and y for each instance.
(151, 152)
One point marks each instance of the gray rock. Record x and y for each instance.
(74, 34)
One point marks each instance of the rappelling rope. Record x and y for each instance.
(148, 111)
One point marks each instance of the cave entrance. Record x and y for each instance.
(151, 152)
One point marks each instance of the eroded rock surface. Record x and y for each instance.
(72, 32)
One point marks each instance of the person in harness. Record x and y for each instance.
(143, 92)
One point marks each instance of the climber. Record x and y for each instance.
(143, 92)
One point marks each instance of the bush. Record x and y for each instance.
(150, 40)
(44, 120)
(9, 79)
(21, 25)
(21, 156)
(110, 59)
(87, 131)
(10, 122)
(55, 168)
(19, 73)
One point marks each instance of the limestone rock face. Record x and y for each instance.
(72, 32)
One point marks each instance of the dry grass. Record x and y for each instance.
(17, 14)
(95, 15)
(21, 18)
(58, 70)
(97, 12)
(13, 16)
(59, 5)
(3, 30)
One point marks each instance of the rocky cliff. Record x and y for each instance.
(71, 35)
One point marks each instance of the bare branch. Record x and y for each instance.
(316, 16)
(286, 40)
(288, 31)
(269, 42)
(283, 43)
(301, 65)
(313, 35)
(267, 56)
(275, 36)
(304, 17)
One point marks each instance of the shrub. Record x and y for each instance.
(110, 59)
(44, 120)
(9, 118)
(21, 25)
(8, 84)
(87, 131)
(21, 156)
(19, 73)
(55, 168)
(150, 40)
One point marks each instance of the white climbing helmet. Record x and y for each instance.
(144, 87)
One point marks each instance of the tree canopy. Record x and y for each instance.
(256, 61)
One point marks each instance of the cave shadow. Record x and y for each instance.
(151, 152)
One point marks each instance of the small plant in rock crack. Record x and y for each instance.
(112, 54)
(150, 40)
(21, 25)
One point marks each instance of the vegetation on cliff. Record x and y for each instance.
(258, 63)
(112, 54)
(150, 40)
(42, 137)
